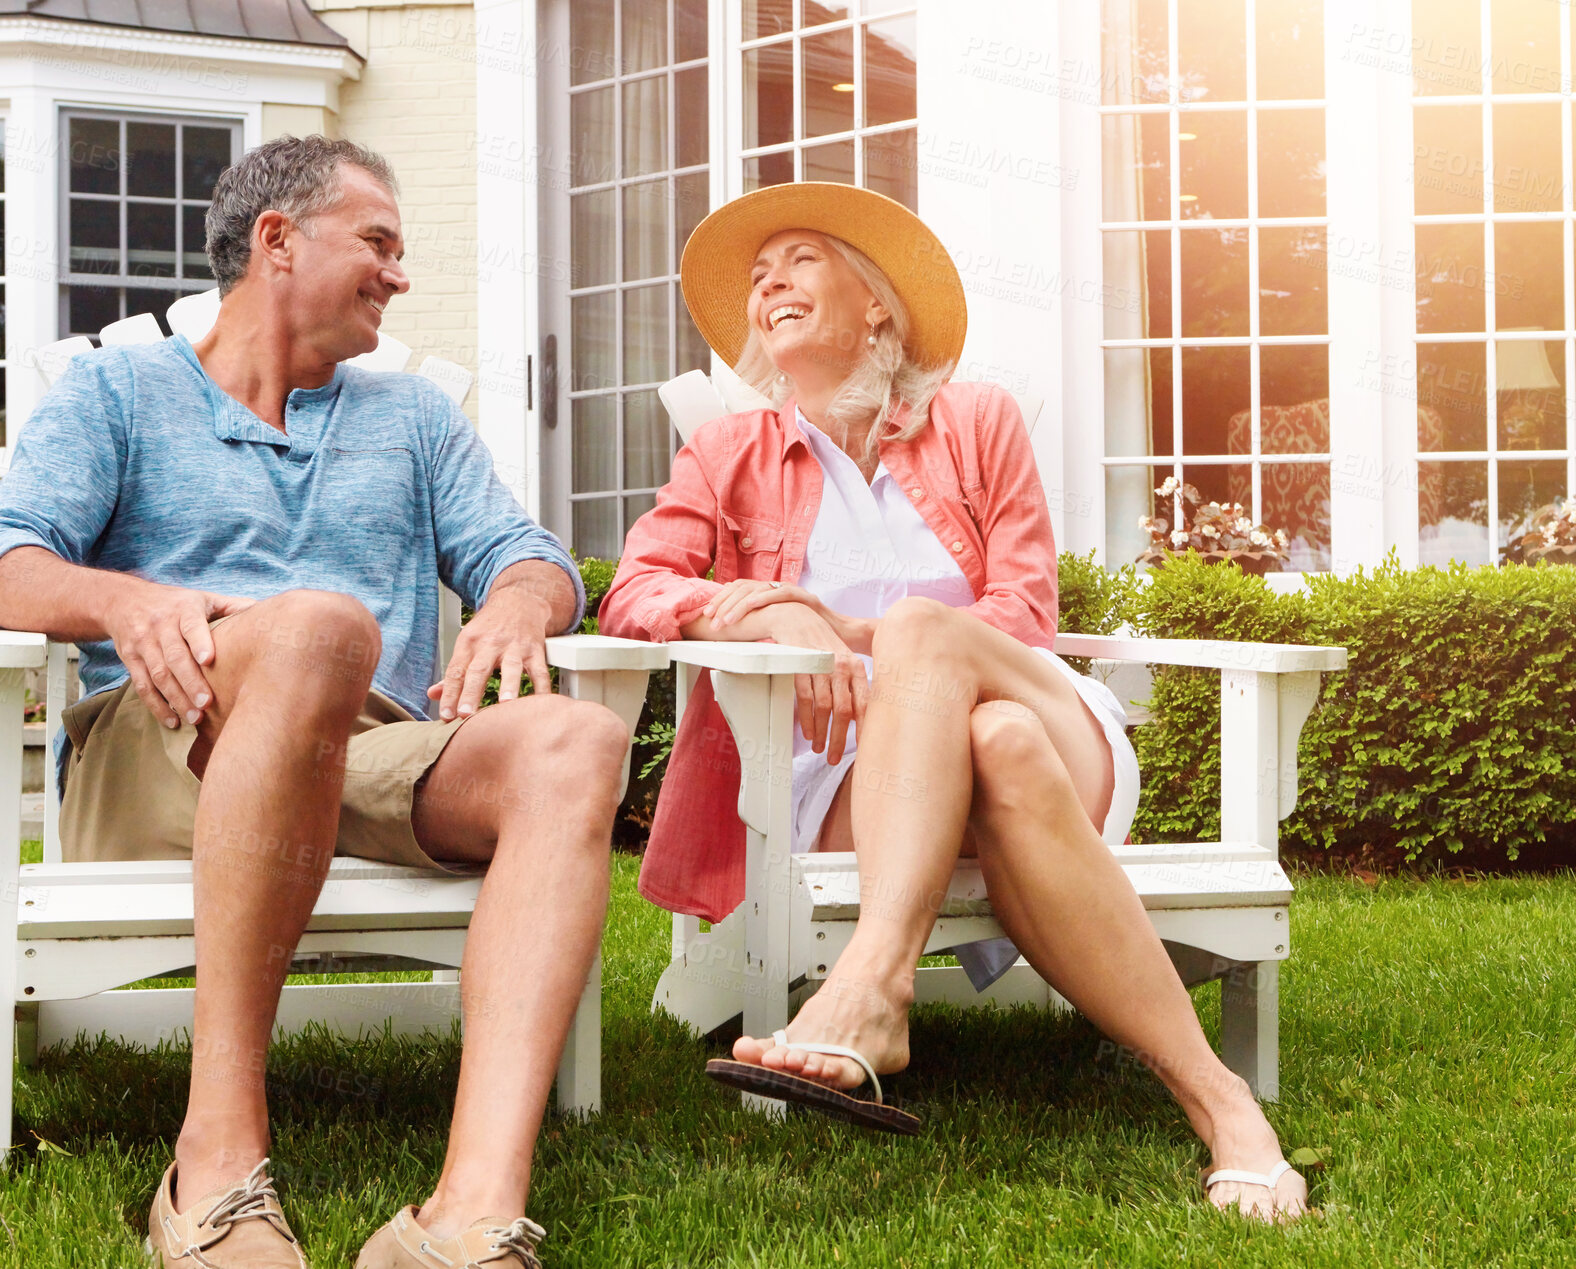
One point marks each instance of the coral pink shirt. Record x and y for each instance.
(742, 500)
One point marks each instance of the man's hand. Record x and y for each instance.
(161, 636)
(507, 634)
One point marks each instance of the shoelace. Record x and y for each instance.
(247, 1201)
(521, 1236)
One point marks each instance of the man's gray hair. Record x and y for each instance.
(298, 176)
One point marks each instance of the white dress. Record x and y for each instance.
(868, 549)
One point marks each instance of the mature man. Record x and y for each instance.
(246, 537)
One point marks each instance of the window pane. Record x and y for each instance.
(1527, 175)
(95, 156)
(1452, 513)
(767, 17)
(194, 256)
(1447, 47)
(1214, 156)
(690, 133)
(693, 352)
(1526, 46)
(692, 199)
(205, 154)
(890, 86)
(1138, 402)
(1212, 50)
(1296, 498)
(1529, 281)
(148, 300)
(95, 236)
(689, 29)
(768, 96)
(1291, 281)
(1524, 487)
(1289, 35)
(591, 40)
(646, 335)
(892, 166)
(1214, 282)
(1449, 277)
(595, 363)
(1137, 291)
(819, 12)
(1452, 397)
(1215, 400)
(150, 240)
(1447, 159)
(591, 237)
(595, 528)
(645, 34)
(1129, 495)
(647, 443)
(635, 506)
(594, 455)
(1223, 482)
(833, 162)
(768, 169)
(1529, 393)
(591, 136)
(91, 308)
(150, 159)
(828, 82)
(645, 126)
(1140, 145)
(1294, 399)
(1291, 163)
(1134, 51)
(645, 230)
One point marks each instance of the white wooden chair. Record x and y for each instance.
(1222, 908)
(70, 933)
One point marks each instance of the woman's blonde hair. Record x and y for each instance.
(879, 383)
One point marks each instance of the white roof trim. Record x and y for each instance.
(59, 35)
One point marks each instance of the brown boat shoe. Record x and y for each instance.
(239, 1228)
(490, 1242)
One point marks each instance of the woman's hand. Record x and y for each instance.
(739, 598)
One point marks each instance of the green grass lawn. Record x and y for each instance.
(1427, 1050)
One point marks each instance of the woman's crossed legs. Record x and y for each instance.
(972, 740)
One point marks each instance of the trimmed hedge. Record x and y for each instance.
(1450, 739)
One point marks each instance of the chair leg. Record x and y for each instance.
(1250, 1025)
(580, 1067)
(27, 1035)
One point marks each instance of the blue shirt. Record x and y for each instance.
(137, 462)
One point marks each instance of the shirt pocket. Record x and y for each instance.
(757, 545)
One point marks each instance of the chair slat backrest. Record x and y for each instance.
(141, 328)
(390, 355)
(194, 315)
(453, 378)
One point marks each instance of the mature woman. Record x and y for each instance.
(898, 521)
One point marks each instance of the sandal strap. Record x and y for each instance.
(781, 1039)
(1267, 1180)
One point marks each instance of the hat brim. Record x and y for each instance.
(715, 269)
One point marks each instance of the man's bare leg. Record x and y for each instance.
(554, 764)
(290, 675)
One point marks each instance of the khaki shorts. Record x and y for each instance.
(130, 795)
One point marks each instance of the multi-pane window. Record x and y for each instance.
(1216, 333)
(1496, 432)
(829, 94)
(640, 182)
(135, 192)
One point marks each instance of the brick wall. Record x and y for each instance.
(416, 104)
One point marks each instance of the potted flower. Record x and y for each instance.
(1550, 535)
(1220, 532)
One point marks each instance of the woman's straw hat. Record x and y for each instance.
(715, 271)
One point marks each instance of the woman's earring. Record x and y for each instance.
(871, 337)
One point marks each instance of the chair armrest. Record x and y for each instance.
(1207, 654)
(590, 653)
(22, 649)
(750, 658)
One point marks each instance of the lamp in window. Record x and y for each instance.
(1530, 397)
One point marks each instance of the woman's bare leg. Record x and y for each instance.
(1063, 899)
(1055, 886)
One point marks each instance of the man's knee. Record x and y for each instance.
(318, 639)
(571, 741)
